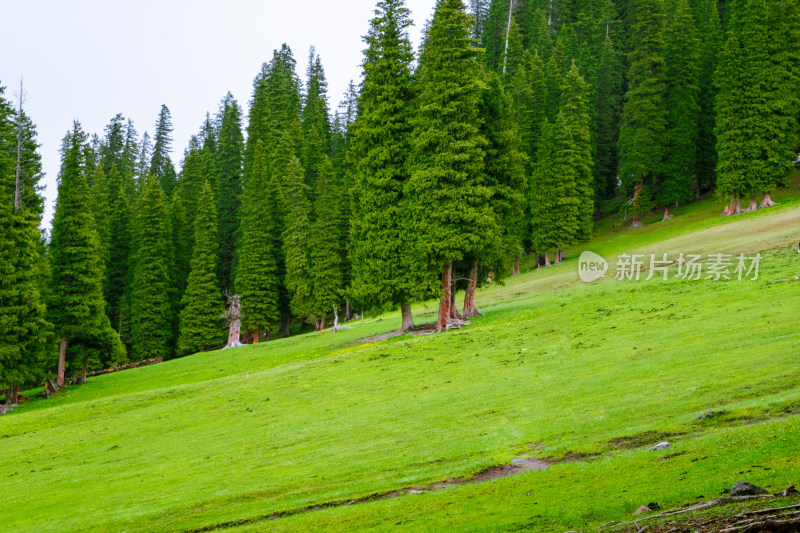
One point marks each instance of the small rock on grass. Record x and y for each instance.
(661, 446)
(743, 488)
(643, 510)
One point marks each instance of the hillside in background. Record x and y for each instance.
(584, 377)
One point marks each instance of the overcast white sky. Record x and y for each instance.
(91, 59)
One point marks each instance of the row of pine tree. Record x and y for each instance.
(504, 135)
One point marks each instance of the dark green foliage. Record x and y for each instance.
(325, 261)
(315, 120)
(711, 43)
(101, 210)
(152, 307)
(118, 269)
(505, 174)
(379, 155)
(24, 331)
(77, 307)
(448, 197)
(257, 281)
(757, 129)
(642, 137)
(681, 59)
(229, 159)
(608, 109)
(200, 328)
(555, 70)
(295, 240)
(160, 163)
(575, 109)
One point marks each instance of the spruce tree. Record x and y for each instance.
(77, 307)
(160, 163)
(295, 241)
(315, 120)
(449, 200)
(325, 261)
(152, 308)
(608, 106)
(202, 303)
(117, 286)
(257, 281)
(379, 155)
(711, 44)
(24, 330)
(229, 188)
(642, 141)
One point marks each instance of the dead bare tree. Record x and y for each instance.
(233, 315)
(508, 32)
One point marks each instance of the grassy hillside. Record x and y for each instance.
(588, 376)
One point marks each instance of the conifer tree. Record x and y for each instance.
(24, 331)
(449, 200)
(575, 111)
(608, 107)
(315, 120)
(642, 139)
(202, 303)
(325, 261)
(118, 270)
(295, 241)
(152, 308)
(257, 281)
(711, 44)
(77, 307)
(160, 163)
(229, 187)
(379, 156)
(681, 58)
(101, 210)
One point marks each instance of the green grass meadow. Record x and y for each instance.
(586, 375)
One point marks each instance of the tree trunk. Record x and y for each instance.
(445, 302)
(454, 314)
(255, 336)
(335, 320)
(267, 335)
(62, 360)
(508, 31)
(234, 316)
(316, 324)
(408, 320)
(322, 323)
(516, 268)
(637, 219)
(767, 201)
(469, 296)
(667, 214)
(753, 205)
(547, 259)
(286, 325)
(83, 372)
(347, 311)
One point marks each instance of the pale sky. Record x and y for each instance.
(91, 59)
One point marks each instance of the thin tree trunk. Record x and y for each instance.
(408, 320)
(767, 201)
(445, 301)
(267, 335)
(286, 325)
(637, 219)
(62, 360)
(667, 214)
(18, 184)
(516, 268)
(335, 320)
(469, 296)
(83, 372)
(322, 323)
(255, 336)
(234, 315)
(8, 394)
(547, 259)
(454, 314)
(508, 31)
(347, 311)
(753, 205)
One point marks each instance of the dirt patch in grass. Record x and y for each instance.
(646, 438)
(517, 466)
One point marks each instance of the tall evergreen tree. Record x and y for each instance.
(229, 187)
(152, 308)
(24, 331)
(160, 163)
(77, 307)
(257, 281)
(202, 303)
(117, 285)
(315, 120)
(642, 141)
(711, 43)
(379, 156)
(449, 200)
(608, 106)
(325, 261)
(295, 241)
(681, 62)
